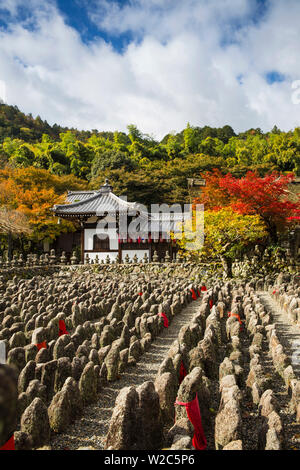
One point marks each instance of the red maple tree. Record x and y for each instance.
(267, 196)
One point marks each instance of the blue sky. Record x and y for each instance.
(156, 63)
(76, 14)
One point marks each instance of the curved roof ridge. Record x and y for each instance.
(118, 199)
(76, 204)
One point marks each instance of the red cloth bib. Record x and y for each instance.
(204, 288)
(166, 321)
(238, 317)
(42, 345)
(194, 415)
(194, 296)
(182, 372)
(62, 328)
(9, 445)
(211, 303)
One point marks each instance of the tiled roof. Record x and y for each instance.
(77, 196)
(93, 203)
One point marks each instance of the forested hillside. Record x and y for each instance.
(139, 166)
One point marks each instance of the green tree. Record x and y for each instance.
(226, 235)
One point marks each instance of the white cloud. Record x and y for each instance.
(177, 72)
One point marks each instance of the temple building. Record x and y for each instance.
(104, 224)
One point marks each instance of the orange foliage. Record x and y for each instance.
(33, 192)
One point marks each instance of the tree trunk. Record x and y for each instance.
(272, 230)
(227, 265)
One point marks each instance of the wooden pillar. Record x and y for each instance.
(82, 245)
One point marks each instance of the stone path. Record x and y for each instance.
(288, 333)
(92, 428)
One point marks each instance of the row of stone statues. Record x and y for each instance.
(50, 259)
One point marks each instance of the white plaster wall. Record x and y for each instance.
(139, 253)
(89, 237)
(101, 256)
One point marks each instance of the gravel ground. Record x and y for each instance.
(92, 428)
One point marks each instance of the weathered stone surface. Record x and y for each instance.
(18, 340)
(210, 358)
(194, 383)
(66, 406)
(123, 360)
(36, 390)
(257, 375)
(288, 376)
(88, 384)
(196, 358)
(136, 421)
(135, 350)
(146, 342)
(8, 402)
(183, 427)
(23, 402)
(48, 377)
(182, 443)
(226, 368)
(30, 352)
(268, 403)
(39, 335)
(234, 445)
(166, 385)
(149, 417)
(272, 440)
(23, 441)
(112, 362)
(228, 424)
(102, 353)
(27, 374)
(77, 368)
(123, 428)
(63, 371)
(16, 358)
(35, 422)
